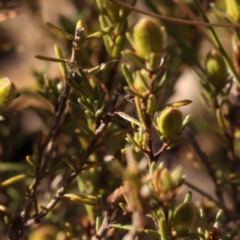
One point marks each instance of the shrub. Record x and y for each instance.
(108, 161)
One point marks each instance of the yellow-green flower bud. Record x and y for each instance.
(148, 37)
(216, 69)
(170, 123)
(183, 219)
(166, 181)
(177, 176)
(7, 92)
(233, 9)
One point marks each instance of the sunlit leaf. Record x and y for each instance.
(60, 31)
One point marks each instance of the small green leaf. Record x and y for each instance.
(98, 224)
(139, 111)
(52, 59)
(219, 218)
(12, 180)
(83, 199)
(129, 118)
(31, 161)
(163, 230)
(161, 81)
(128, 75)
(132, 91)
(5, 210)
(188, 197)
(123, 227)
(141, 82)
(100, 33)
(176, 104)
(134, 58)
(151, 105)
(186, 121)
(60, 31)
(131, 140)
(70, 164)
(174, 144)
(62, 65)
(117, 47)
(100, 67)
(153, 233)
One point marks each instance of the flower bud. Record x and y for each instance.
(148, 37)
(233, 9)
(7, 92)
(170, 123)
(216, 69)
(177, 176)
(166, 181)
(183, 219)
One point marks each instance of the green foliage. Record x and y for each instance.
(102, 164)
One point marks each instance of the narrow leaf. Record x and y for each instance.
(127, 74)
(5, 209)
(13, 180)
(31, 161)
(62, 65)
(60, 31)
(51, 59)
(129, 118)
(101, 32)
(153, 233)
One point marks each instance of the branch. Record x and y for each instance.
(203, 157)
(195, 188)
(177, 20)
(104, 226)
(98, 133)
(59, 194)
(161, 151)
(41, 147)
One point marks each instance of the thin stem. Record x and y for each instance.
(207, 163)
(177, 20)
(59, 194)
(41, 148)
(195, 188)
(192, 16)
(104, 226)
(161, 151)
(62, 106)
